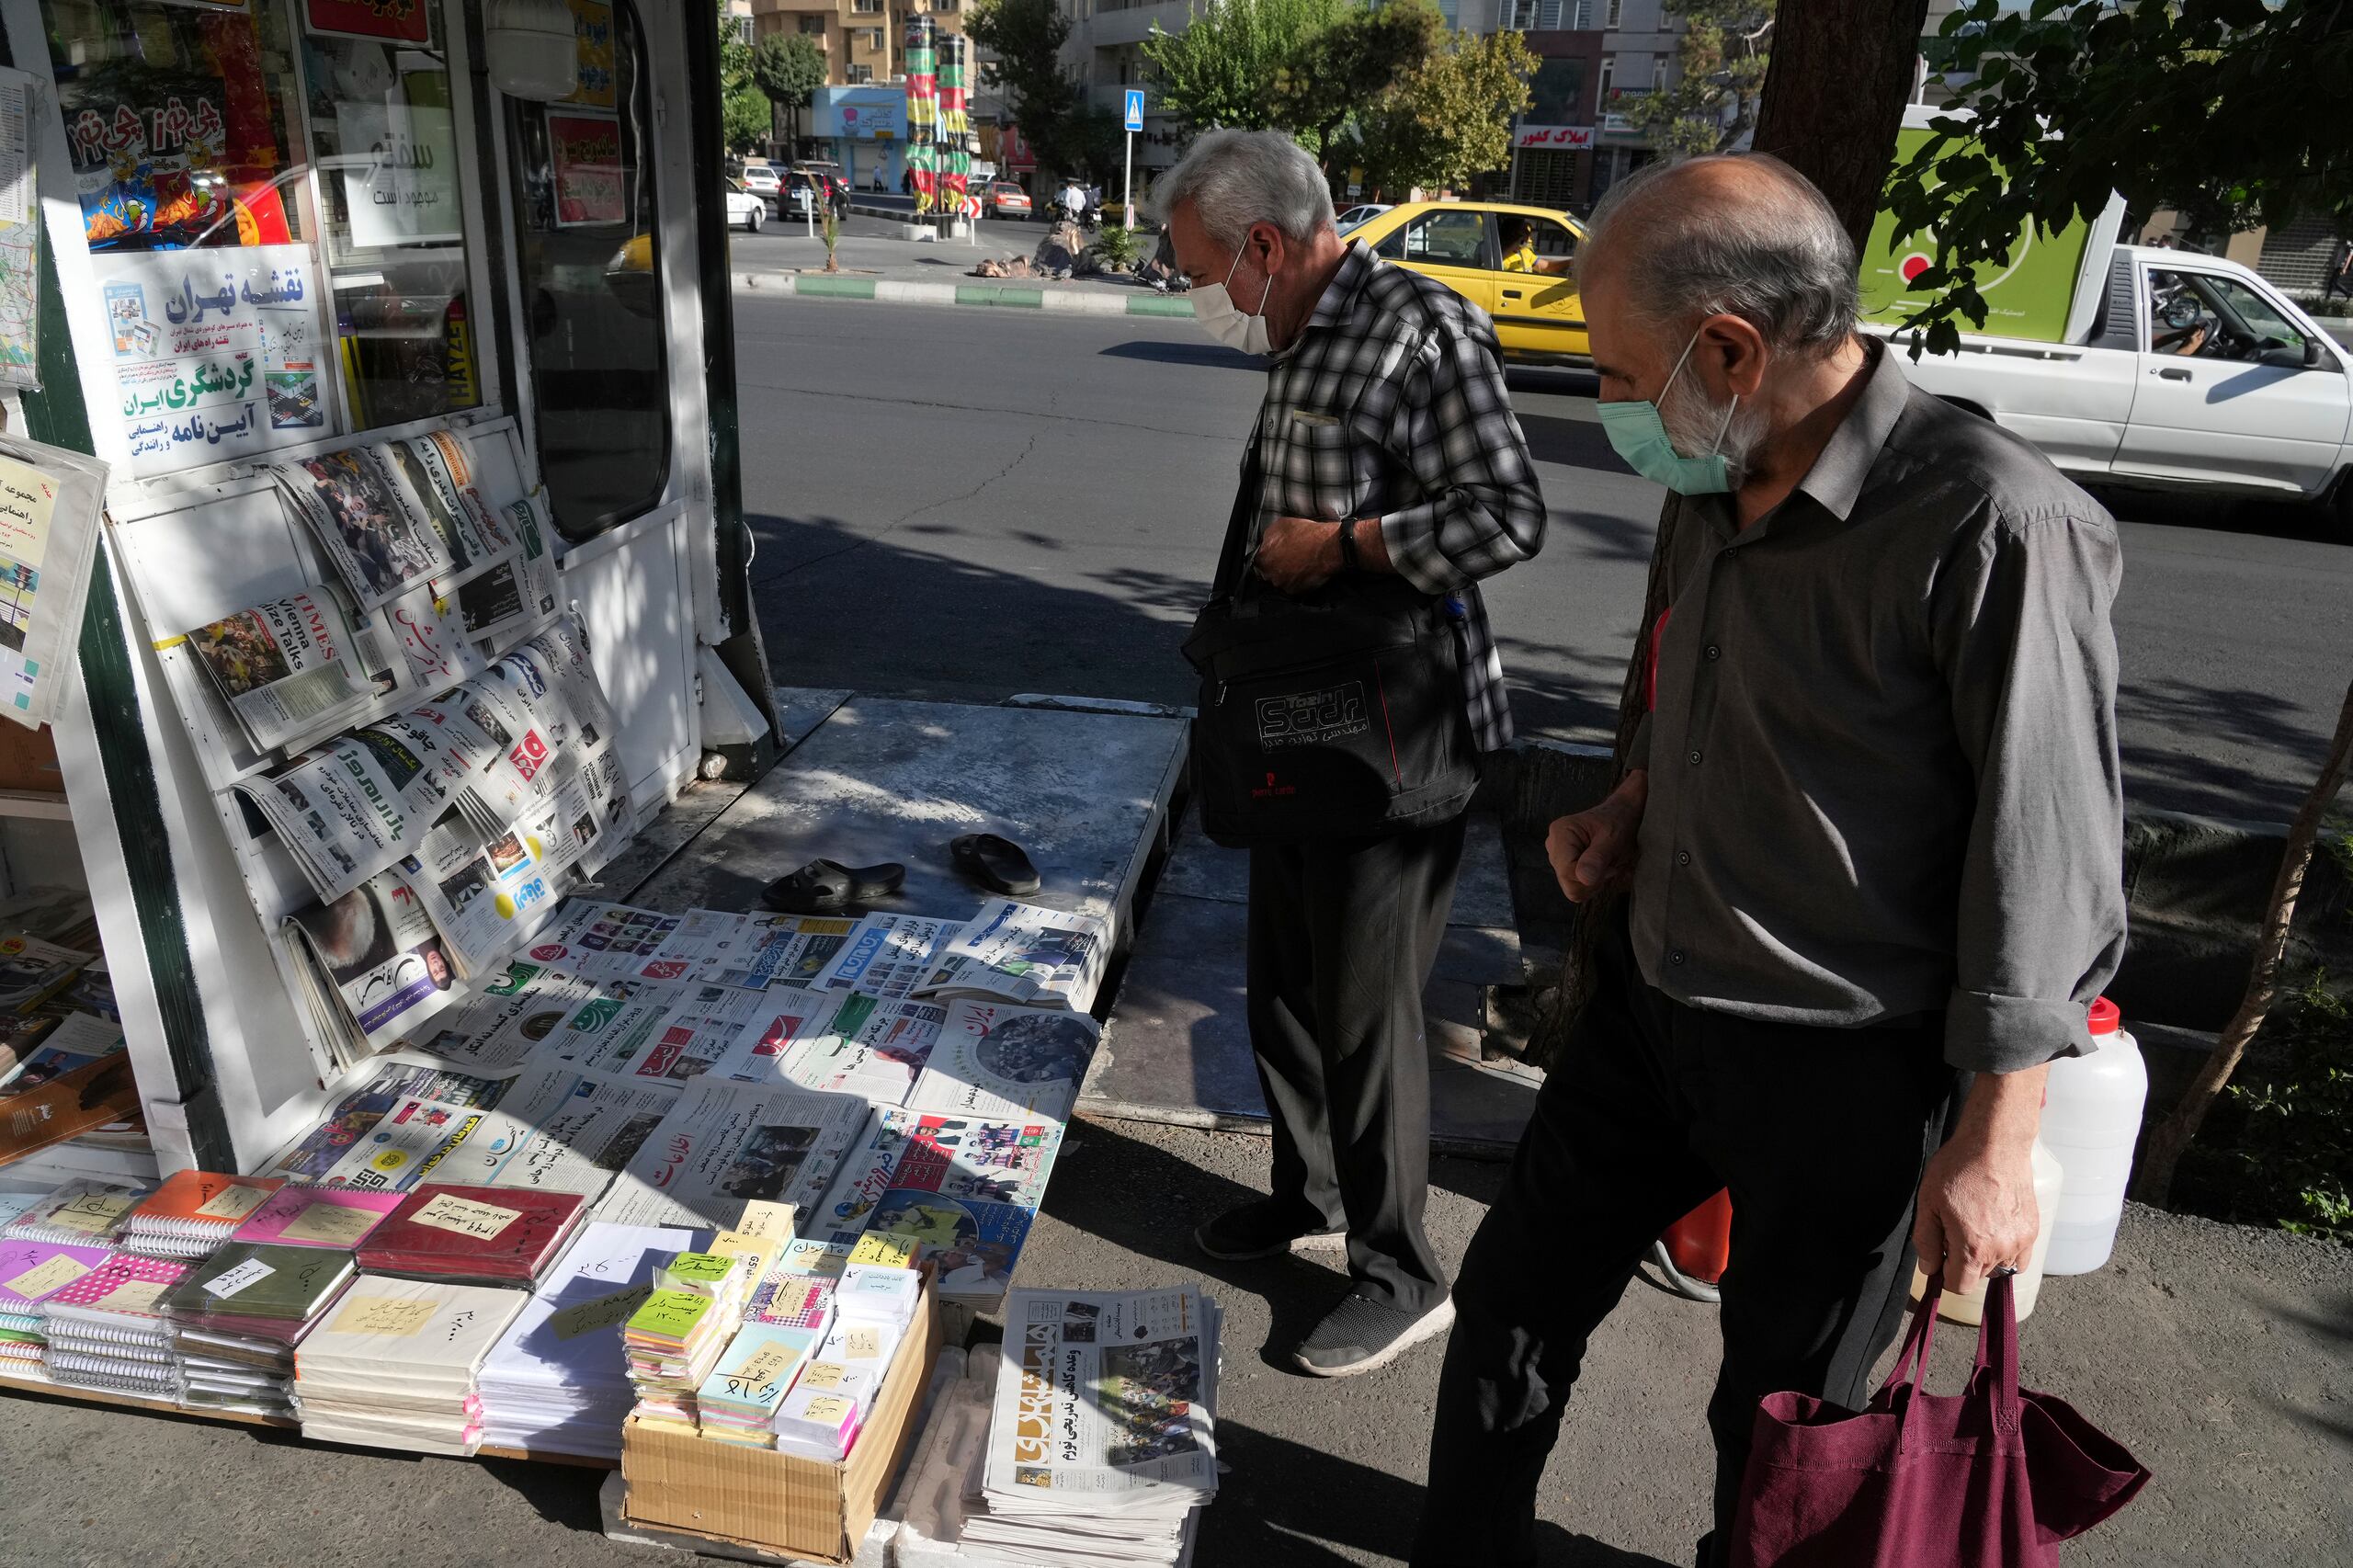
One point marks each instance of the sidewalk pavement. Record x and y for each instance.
(2223, 1357)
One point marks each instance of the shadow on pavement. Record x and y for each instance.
(1279, 1501)
(1208, 354)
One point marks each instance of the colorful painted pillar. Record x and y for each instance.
(923, 114)
(955, 125)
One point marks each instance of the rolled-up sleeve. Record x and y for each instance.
(1480, 509)
(2020, 624)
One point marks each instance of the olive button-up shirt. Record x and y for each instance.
(1883, 755)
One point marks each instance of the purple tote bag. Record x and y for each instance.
(1993, 1477)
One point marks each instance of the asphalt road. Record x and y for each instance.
(970, 503)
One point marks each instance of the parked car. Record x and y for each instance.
(1538, 317)
(806, 194)
(743, 207)
(830, 175)
(1006, 199)
(1362, 213)
(763, 180)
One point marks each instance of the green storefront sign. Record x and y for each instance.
(2028, 298)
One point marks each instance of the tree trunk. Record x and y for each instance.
(2170, 1139)
(1836, 85)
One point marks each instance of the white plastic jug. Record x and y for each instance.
(1968, 1309)
(2091, 1115)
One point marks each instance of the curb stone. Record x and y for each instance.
(994, 296)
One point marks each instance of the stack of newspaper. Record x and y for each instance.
(1103, 1442)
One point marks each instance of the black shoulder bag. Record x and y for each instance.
(1334, 714)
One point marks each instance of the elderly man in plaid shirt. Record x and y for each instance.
(1387, 444)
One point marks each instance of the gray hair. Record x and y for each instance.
(1763, 246)
(1237, 178)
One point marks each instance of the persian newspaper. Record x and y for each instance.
(1021, 953)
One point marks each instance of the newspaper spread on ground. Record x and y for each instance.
(672, 1032)
(485, 896)
(1103, 1424)
(600, 940)
(889, 955)
(966, 1192)
(383, 1089)
(871, 1048)
(725, 1143)
(754, 951)
(788, 1018)
(502, 1021)
(373, 964)
(1020, 953)
(573, 1132)
(1006, 1064)
(370, 528)
(287, 669)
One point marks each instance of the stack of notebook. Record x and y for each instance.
(792, 1301)
(737, 1404)
(31, 1273)
(394, 1365)
(558, 1381)
(194, 1212)
(476, 1235)
(106, 1330)
(679, 1333)
(82, 1213)
(237, 1316)
(338, 1217)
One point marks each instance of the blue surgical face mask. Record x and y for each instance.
(1639, 434)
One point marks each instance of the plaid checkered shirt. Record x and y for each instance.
(1391, 406)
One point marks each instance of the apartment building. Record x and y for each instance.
(1106, 51)
(864, 40)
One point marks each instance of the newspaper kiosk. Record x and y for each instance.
(271, 232)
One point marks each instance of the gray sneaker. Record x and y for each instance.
(1360, 1334)
(1260, 1229)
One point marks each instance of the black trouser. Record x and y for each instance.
(1821, 1135)
(1342, 934)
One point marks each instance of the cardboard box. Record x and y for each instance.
(28, 760)
(759, 1497)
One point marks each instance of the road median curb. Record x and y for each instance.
(1010, 296)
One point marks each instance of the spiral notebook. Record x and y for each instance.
(195, 1211)
(33, 1271)
(122, 1297)
(81, 1213)
(318, 1216)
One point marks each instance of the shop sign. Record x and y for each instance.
(592, 30)
(1553, 138)
(584, 150)
(400, 172)
(401, 21)
(217, 354)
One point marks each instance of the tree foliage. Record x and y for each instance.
(1025, 36)
(1354, 61)
(1229, 67)
(1719, 61)
(1450, 119)
(745, 122)
(789, 68)
(2232, 111)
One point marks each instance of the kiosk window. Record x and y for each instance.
(275, 221)
(592, 292)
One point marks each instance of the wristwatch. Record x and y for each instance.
(1349, 545)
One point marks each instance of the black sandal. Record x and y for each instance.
(825, 887)
(998, 864)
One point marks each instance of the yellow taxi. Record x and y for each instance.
(1510, 261)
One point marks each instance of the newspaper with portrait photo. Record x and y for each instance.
(373, 964)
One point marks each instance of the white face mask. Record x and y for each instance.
(1219, 317)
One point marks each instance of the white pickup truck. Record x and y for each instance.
(2187, 372)
(2133, 365)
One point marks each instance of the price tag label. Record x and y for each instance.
(862, 1344)
(766, 1363)
(235, 1203)
(884, 1252)
(572, 1322)
(669, 1315)
(464, 1217)
(824, 1375)
(235, 1280)
(830, 1409)
(382, 1315)
(331, 1224)
(766, 1218)
(133, 1296)
(92, 1213)
(47, 1278)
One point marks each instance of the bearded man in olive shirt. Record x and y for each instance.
(1872, 828)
